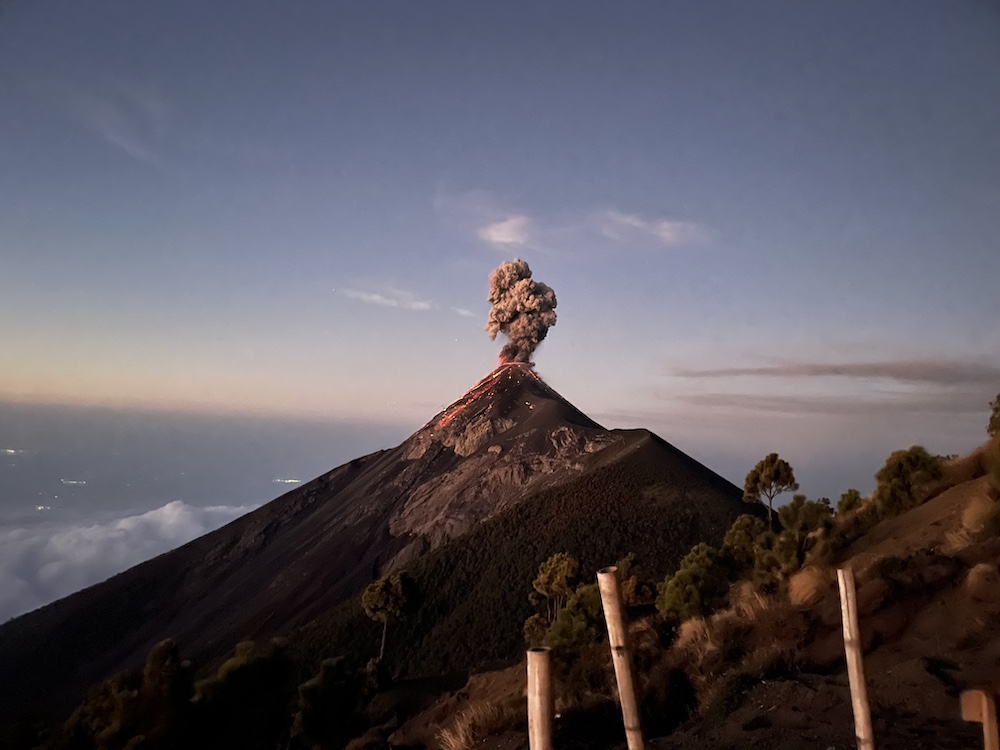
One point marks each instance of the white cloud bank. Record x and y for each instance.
(40, 565)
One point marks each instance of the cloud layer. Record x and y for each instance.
(39, 565)
(923, 403)
(914, 371)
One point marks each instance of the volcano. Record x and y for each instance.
(510, 437)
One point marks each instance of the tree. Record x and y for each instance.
(699, 586)
(740, 541)
(993, 428)
(849, 501)
(555, 582)
(385, 601)
(805, 525)
(904, 481)
(770, 477)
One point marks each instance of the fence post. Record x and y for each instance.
(611, 598)
(981, 707)
(855, 665)
(541, 708)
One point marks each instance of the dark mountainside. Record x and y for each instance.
(279, 568)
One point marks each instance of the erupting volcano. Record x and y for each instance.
(504, 441)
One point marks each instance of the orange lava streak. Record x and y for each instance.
(459, 406)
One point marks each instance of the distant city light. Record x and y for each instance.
(14, 451)
(287, 481)
(43, 507)
(73, 481)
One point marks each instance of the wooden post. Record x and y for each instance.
(981, 707)
(855, 665)
(541, 706)
(611, 598)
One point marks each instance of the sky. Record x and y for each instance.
(770, 226)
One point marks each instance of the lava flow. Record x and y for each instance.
(481, 387)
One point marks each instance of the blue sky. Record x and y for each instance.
(769, 225)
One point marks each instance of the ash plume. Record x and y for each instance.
(523, 310)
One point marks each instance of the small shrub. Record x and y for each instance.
(809, 586)
(852, 527)
(729, 692)
(535, 628)
(993, 464)
(475, 723)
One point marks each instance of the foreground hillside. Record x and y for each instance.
(767, 669)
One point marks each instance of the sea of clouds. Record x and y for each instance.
(42, 562)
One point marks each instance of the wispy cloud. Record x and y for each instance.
(512, 231)
(132, 118)
(624, 227)
(947, 402)
(389, 298)
(942, 372)
(508, 227)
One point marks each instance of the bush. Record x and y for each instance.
(328, 706)
(993, 464)
(740, 542)
(904, 482)
(849, 501)
(699, 586)
(805, 527)
(848, 530)
(246, 703)
(579, 623)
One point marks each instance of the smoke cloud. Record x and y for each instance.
(523, 310)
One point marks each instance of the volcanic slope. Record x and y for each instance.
(276, 569)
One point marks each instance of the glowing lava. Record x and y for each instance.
(481, 387)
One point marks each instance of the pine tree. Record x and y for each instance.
(769, 478)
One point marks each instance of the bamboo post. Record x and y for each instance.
(855, 664)
(541, 708)
(611, 598)
(981, 707)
